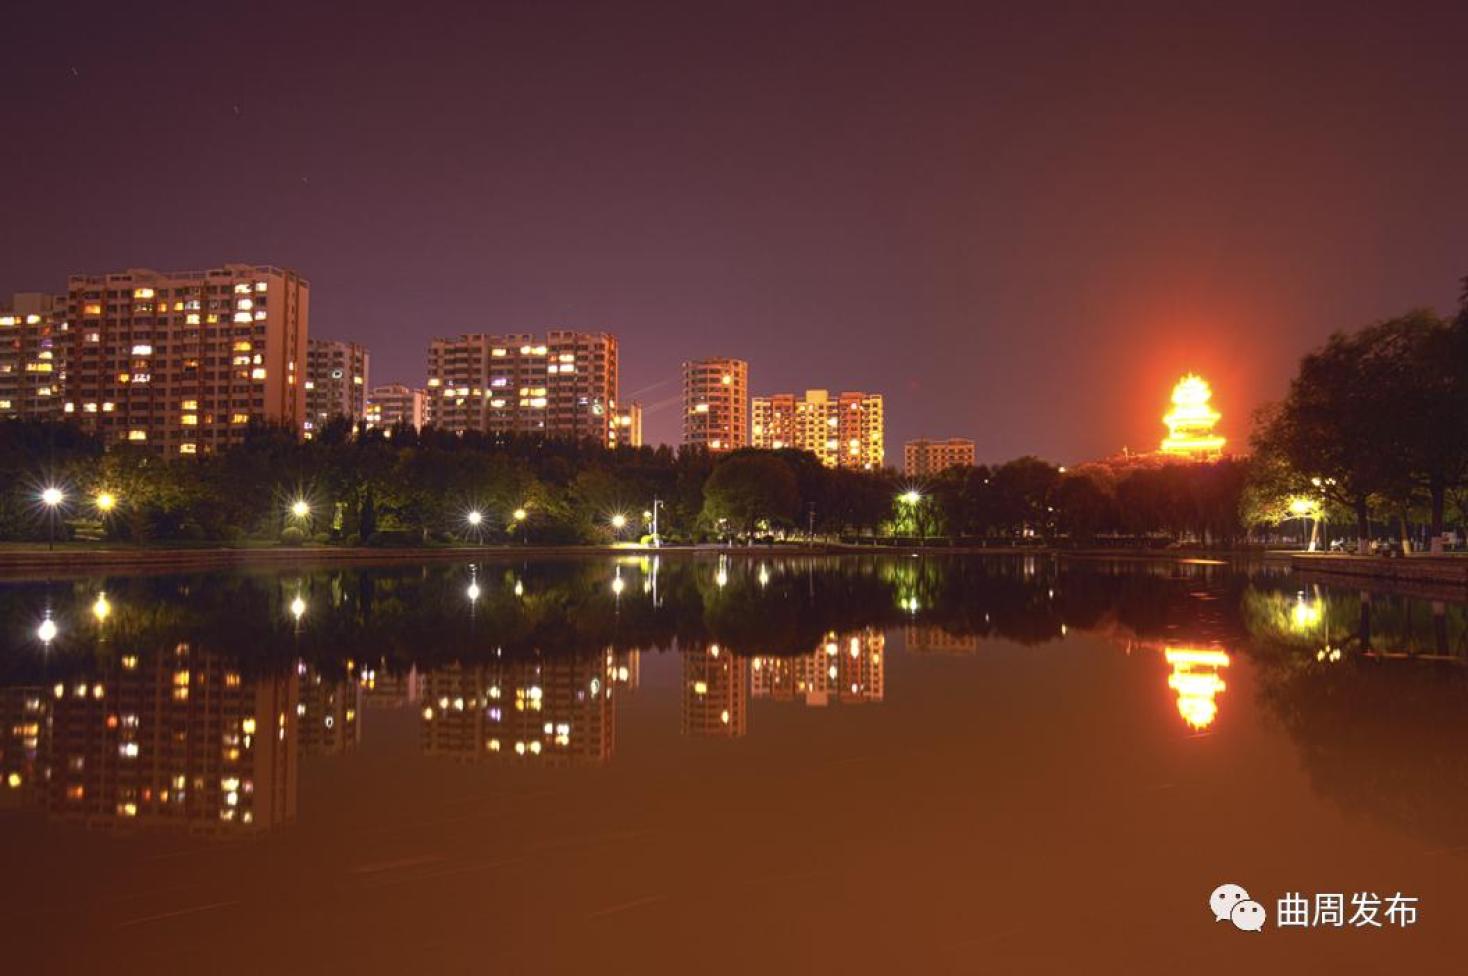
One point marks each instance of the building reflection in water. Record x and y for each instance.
(552, 710)
(382, 689)
(715, 693)
(172, 739)
(1196, 680)
(849, 669)
(328, 711)
(25, 716)
(930, 639)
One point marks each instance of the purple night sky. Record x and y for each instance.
(1021, 225)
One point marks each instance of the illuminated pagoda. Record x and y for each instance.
(1192, 419)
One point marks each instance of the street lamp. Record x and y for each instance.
(474, 518)
(51, 497)
(1303, 508)
(105, 502)
(47, 631)
(300, 508)
(619, 521)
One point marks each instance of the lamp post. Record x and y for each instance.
(520, 515)
(657, 540)
(52, 498)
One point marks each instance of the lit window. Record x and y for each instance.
(142, 293)
(243, 317)
(239, 418)
(142, 349)
(242, 288)
(137, 435)
(258, 373)
(92, 308)
(188, 449)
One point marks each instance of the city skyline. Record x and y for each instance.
(1026, 222)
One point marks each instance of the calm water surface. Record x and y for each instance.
(701, 765)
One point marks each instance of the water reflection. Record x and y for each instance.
(189, 701)
(552, 710)
(173, 739)
(1196, 679)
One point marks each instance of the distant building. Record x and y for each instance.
(716, 403)
(33, 351)
(562, 385)
(922, 458)
(846, 431)
(627, 426)
(336, 383)
(395, 403)
(184, 362)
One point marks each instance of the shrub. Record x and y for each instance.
(292, 535)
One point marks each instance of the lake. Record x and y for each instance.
(738, 764)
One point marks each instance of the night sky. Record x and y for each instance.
(1021, 225)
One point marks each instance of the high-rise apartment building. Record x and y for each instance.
(627, 426)
(923, 457)
(393, 404)
(564, 385)
(33, 340)
(845, 431)
(716, 403)
(336, 382)
(185, 362)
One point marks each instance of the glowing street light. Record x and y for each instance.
(105, 502)
(619, 521)
(101, 609)
(51, 497)
(300, 508)
(474, 518)
(473, 591)
(47, 631)
(910, 497)
(521, 515)
(298, 607)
